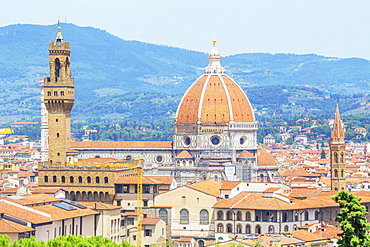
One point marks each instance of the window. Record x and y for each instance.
(204, 216)
(57, 68)
(159, 159)
(55, 93)
(342, 173)
(229, 215)
(146, 188)
(80, 179)
(258, 229)
(163, 214)
(49, 93)
(239, 228)
(54, 179)
(145, 203)
(97, 180)
(63, 178)
(125, 188)
(220, 228)
(330, 215)
(200, 243)
(46, 179)
(316, 215)
(239, 216)
(220, 215)
(88, 180)
(306, 215)
(148, 233)
(335, 173)
(321, 216)
(71, 180)
(294, 227)
(271, 229)
(61, 93)
(106, 180)
(57, 134)
(248, 229)
(184, 216)
(286, 228)
(229, 228)
(248, 216)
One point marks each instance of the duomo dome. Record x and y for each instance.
(214, 98)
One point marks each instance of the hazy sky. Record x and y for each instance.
(327, 27)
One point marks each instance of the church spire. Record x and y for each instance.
(337, 133)
(214, 65)
(59, 37)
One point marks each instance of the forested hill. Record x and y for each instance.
(117, 78)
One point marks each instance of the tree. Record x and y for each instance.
(323, 154)
(352, 221)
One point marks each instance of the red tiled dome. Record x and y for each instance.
(264, 158)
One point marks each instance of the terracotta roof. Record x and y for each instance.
(213, 98)
(151, 221)
(23, 214)
(271, 190)
(45, 190)
(245, 154)
(59, 213)
(100, 160)
(7, 226)
(121, 144)
(184, 155)
(186, 239)
(209, 187)
(229, 185)
(264, 158)
(164, 179)
(306, 236)
(34, 199)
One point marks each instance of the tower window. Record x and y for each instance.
(61, 93)
(56, 120)
(58, 154)
(55, 93)
(49, 93)
(57, 67)
(57, 134)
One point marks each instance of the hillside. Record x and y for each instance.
(131, 80)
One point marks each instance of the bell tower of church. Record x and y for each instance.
(59, 99)
(337, 154)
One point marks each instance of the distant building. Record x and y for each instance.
(300, 139)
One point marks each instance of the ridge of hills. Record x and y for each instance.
(137, 81)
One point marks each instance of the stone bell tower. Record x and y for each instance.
(59, 99)
(337, 154)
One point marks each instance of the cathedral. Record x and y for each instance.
(215, 130)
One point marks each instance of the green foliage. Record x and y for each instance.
(323, 154)
(257, 244)
(63, 241)
(352, 221)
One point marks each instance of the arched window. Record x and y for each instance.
(71, 180)
(238, 228)
(316, 215)
(271, 229)
(239, 215)
(88, 179)
(248, 216)
(220, 228)
(336, 158)
(335, 173)
(184, 216)
(163, 214)
(258, 229)
(286, 228)
(306, 215)
(97, 180)
(220, 215)
(80, 179)
(341, 158)
(54, 179)
(63, 178)
(57, 68)
(261, 178)
(46, 179)
(204, 216)
(229, 215)
(229, 228)
(294, 227)
(342, 173)
(285, 217)
(248, 229)
(200, 243)
(106, 180)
